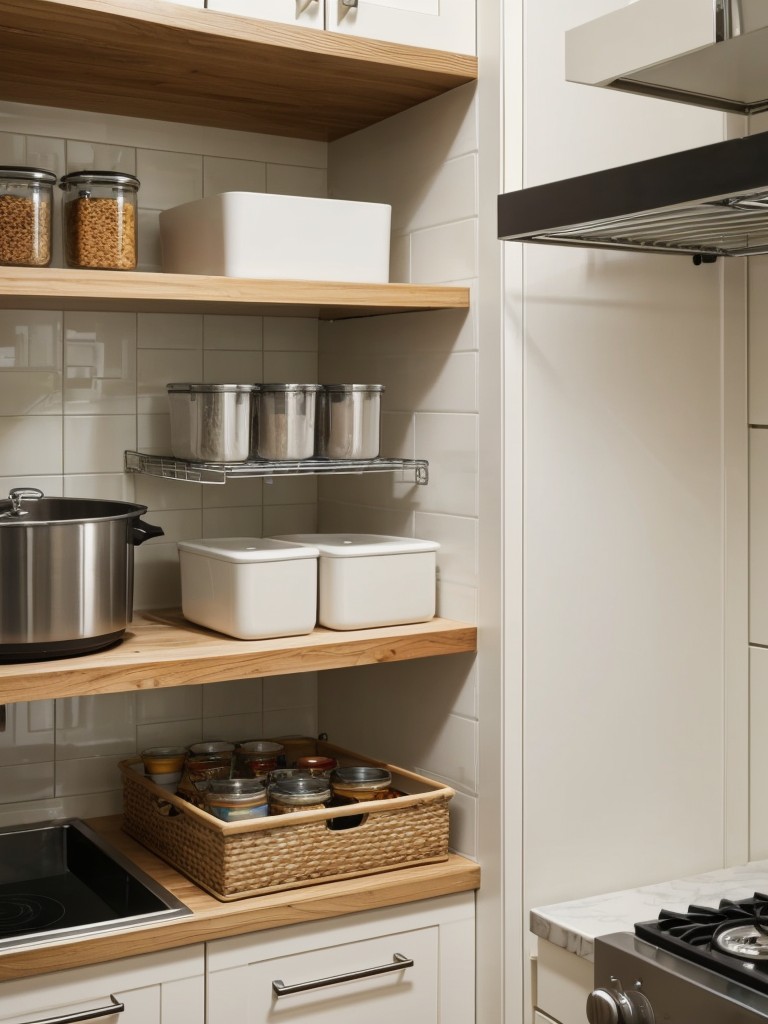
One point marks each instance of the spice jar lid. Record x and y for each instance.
(211, 747)
(347, 388)
(299, 791)
(235, 791)
(31, 174)
(362, 777)
(207, 388)
(260, 747)
(100, 178)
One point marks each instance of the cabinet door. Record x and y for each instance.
(410, 993)
(435, 24)
(307, 13)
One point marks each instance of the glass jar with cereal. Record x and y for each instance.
(100, 220)
(26, 200)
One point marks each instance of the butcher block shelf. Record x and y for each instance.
(149, 58)
(161, 648)
(214, 920)
(142, 292)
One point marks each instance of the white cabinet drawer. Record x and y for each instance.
(246, 993)
(758, 536)
(159, 988)
(307, 13)
(435, 24)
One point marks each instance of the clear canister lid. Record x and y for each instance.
(114, 178)
(235, 791)
(31, 175)
(289, 387)
(353, 387)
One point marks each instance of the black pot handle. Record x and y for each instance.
(145, 531)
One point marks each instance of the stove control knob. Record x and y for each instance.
(603, 1007)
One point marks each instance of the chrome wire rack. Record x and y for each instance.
(166, 466)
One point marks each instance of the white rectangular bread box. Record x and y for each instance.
(300, 238)
(249, 587)
(366, 580)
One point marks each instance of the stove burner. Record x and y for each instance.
(742, 940)
(24, 912)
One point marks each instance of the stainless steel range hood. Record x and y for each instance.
(711, 53)
(705, 202)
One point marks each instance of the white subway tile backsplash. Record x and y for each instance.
(400, 258)
(13, 149)
(233, 333)
(31, 442)
(149, 255)
(48, 152)
(234, 697)
(26, 783)
(339, 517)
(457, 559)
(99, 363)
(449, 442)
(290, 367)
(291, 722)
(99, 156)
(297, 181)
(455, 601)
(172, 704)
(290, 490)
(232, 367)
(444, 254)
(169, 734)
(169, 331)
(226, 175)
(87, 775)
(244, 521)
(233, 728)
(157, 582)
(104, 486)
(153, 433)
(157, 493)
(233, 494)
(289, 519)
(290, 334)
(95, 726)
(297, 691)
(97, 444)
(168, 179)
(159, 367)
(29, 733)
(47, 484)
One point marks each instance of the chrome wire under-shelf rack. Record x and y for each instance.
(166, 466)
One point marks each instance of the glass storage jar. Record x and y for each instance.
(362, 782)
(26, 201)
(100, 220)
(298, 794)
(236, 799)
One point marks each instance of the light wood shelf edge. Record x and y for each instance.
(213, 920)
(141, 291)
(163, 649)
(152, 59)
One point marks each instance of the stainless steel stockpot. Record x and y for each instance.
(66, 573)
(284, 425)
(348, 421)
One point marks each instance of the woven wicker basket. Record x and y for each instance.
(232, 860)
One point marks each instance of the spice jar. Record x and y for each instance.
(317, 764)
(259, 757)
(26, 201)
(236, 799)
(100, 219)
(299, 794)
(362, 782)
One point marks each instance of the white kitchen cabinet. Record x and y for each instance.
(543, 1018)
(563, 982)
(158, 988)
(437, 935)
(436, 24)
(758, 535)
(306, 13)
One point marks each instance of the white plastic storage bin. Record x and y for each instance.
(249, 587)
(365, 580)
(252, 234)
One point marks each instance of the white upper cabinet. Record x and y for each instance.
(306, 13)
(435, 24)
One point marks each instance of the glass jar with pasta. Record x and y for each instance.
(100, 214)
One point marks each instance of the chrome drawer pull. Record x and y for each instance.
(71, 1018)
(399, 963)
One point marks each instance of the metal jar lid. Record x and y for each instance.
(212, 747)
(100, 178)
(235, 791)
(361, 777)
(267, 748)
(207, 388)
(290, 387)
(353, 387)
(35, 175)
(300, 791)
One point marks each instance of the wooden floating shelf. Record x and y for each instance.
(138, 291)
(161, 648)
(149, 58)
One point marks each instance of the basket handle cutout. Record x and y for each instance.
(344, 824)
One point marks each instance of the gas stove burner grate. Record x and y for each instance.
(23, 912)
(698, 926)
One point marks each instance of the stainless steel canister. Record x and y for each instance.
(284, 428)
(349, 421)
(210, 422)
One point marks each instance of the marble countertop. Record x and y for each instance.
(575, 925)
